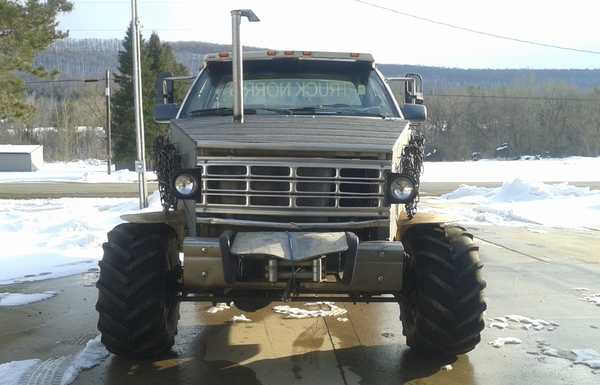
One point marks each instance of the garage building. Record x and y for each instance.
(21, 157)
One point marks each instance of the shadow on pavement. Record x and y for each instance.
(364, 365)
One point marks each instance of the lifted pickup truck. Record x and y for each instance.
(294, 179)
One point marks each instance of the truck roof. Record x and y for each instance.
(279, 54)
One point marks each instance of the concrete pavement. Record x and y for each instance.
(530, 274)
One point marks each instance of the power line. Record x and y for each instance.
(516, 97)
(476, 31)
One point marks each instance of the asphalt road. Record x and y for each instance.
(34, 190)
(528, 273)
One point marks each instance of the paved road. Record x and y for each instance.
(32, 190)
(528, 273)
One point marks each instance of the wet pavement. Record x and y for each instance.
(529, 273)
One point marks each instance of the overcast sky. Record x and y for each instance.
(346, 25)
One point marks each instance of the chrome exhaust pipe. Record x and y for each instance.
(237, 61)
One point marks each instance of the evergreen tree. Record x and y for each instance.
(156, 58)
(26, 28)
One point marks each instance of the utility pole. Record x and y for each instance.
(107, 93)
(140, 164)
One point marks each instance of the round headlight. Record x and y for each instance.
(402, 189)
(185, 184)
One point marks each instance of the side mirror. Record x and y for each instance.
(164, 88)
(414, 112)
(164, 113)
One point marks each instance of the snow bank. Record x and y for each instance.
(572, 169)
(50, 238)
(93, 354)
(522, 201)
(12, 373)
(86, 171)
(17, 299)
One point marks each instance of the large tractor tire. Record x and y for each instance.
(442, 303)
(137, 290)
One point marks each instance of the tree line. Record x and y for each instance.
(555, 119)
(526, 117)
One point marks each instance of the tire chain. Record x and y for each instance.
(167, 161)
(411, 165)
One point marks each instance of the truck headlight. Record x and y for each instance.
(185, 185)
(401, 189)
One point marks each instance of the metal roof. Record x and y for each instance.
(18, 149)
(303, 55)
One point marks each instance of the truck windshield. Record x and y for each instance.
(293, 87)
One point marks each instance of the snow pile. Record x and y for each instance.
(521, 202)
(93, 354)
(17, 299)
(54, 238)
(219, 307)
(514, 321)
(501, 341)
(316, 310)
(85, 171)
(50, 238)
(12, 373)
(240, 318)
(572, 169)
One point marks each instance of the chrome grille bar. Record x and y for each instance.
(294, 186)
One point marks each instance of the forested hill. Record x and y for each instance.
(86, 58)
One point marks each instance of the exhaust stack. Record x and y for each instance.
(237, 61)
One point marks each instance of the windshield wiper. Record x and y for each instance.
(220, 111)
(335, 109)
(226, 111)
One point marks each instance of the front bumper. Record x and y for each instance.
(374, 267)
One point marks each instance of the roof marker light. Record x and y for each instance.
(288, 53)
(354, 54)
(271, 52)
(307, 53)
(223, 54)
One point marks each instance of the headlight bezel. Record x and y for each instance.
(196, 175)
(390, 198)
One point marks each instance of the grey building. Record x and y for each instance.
(21, 157)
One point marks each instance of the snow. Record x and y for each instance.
(12, 373)
(50, 238)
(316, 310)
(592, 298)
(571, 169)
(513, 321)
(17, 299)
(588, 357)
(524, 202)
(85, 171)
(501, 341)
(218, 308)
(240, 318)
(93, 354)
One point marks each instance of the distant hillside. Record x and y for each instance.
(85, 58)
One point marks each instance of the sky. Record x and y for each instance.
(350, 26)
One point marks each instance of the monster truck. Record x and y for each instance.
(296, 179)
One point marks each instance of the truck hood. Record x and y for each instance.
(294, 132)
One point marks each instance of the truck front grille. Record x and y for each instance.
(300, 186)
